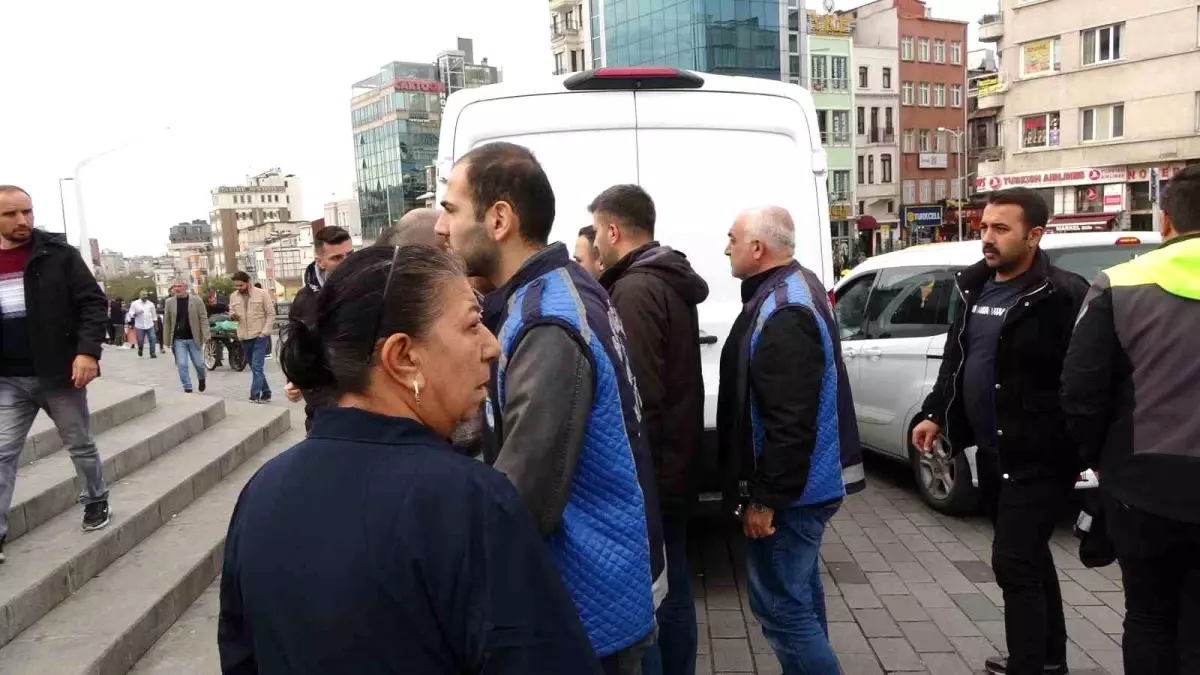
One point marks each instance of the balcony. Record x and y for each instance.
(829, 84)
(991, 27)
(989, 90)
(835, 139)
(563, 31)
(563, 5)
(992, 154)
(839, 197)
(885, 136)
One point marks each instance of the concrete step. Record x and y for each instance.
(115, 618)
(55, 560)
(190, 646)
(110, 403)
(49, 486)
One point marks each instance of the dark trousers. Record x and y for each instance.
(1024, 513)
(675, 651)
(1160, 565)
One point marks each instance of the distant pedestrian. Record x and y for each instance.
(371, 546)
(784, 399)
(655, 292)
(52, 320)
(998, 389)
(1130, 383)
(585, 251)
(116, 322)
(255, 315)
(270, 338)
(142, 313)
(186, 331)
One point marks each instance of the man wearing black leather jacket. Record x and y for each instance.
(998, 390)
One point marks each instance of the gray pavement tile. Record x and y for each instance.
(703, 645)
(992, 590)
(732, 656)
(722, 597)
(701, 610)
(1065, 560)
(975, 541)
(954, 582)
(916, 542)
(1074, 594)
(704, 665)
(1115, 600)
(977, 607)
(931, 595)
(726, 624)
(1104, 618)
(926, 637)
(953, 622)
(946, 664)
(1111, 660)
(976, 571)
(1078, 659)
(847, 528)
(896, 655)
(912, 572)
(866, 520)
(847, 573)
(887, 583)
(1091, 580)
(938, 534)
(974, 650)
(1070, 612)
(881, 535)
(758, 641)
(922, 518)
(904, 608)
(856, 504)
(901, 526)
(835, 553)
(876, 623)
(859, 664)
(858, 543)
(894, 553)
(837, 610)
(957, 552)
(767, 664)
(847, 638)
(994, 632)
(830, 537)
(1111, 572)
(1088, 636)
(860, 596)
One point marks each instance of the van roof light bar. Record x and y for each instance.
(649, 77)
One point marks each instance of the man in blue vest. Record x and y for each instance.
(778, 426)
(563, 419)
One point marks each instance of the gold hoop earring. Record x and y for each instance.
(417, 391)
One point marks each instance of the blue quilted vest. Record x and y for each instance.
(603, 546)
(789, 288)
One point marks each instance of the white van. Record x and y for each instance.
(704, 146)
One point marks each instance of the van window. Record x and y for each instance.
(912, 302)
(1089, 261)
(851, 307)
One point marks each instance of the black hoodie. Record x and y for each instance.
(655, 292)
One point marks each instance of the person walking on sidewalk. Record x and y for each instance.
(1127, 388)
(655, 292)
(52, 323)
(781, 400)
(116, 322)
(185, 332)
(255, 313)
(998, 389)
(142, 313)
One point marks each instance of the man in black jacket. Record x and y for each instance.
(331, 246)
(655, 292)
(52, 326)
(998, 390)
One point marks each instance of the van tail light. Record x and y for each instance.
(650, 77)
(832, 300)
(1128, 241)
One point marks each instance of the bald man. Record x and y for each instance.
(415, 227)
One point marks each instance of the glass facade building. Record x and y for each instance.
(728, 37)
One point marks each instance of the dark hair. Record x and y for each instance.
(257, 285)
(336, 351)
(590, 233)
(330, 235)
(629, 204)
(241, 276)
(13, 188)
(1034, 212)
(506, 172)
(1181, 200)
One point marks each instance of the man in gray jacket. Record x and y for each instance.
(185, 332)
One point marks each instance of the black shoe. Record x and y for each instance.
(3, 559)
(998, 665)
(139, 353)
(187, 391)
(95, 516)
(153, 356)
(202, 385)
(255, 399)
(265, 397)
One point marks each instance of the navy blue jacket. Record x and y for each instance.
(372, 547)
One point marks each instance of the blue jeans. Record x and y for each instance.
(785, 590)
(142, 334)
(256, 354)
(674, 653)
(183, 351)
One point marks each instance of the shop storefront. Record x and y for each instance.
(1096, 193)
(922, 224)
(1141, 216)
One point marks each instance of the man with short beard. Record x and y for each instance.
(998, 389)
(585, 252)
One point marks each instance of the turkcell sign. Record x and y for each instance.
(917, 217)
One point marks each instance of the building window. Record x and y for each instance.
(819, 72)
(885, 168)
(1040, 58)
(1103, 45)
(1103, 123)
(891, 206)
(926, 141)
(955, 53)
(906, 48)
(939, 139)
(939, 189)
(841, 186)
(887, 78)
(939, 51)
(841, 73)
(956, 96)
(939, 96)
(841, 127)
(862, 175)
(910, 192)
(924, 101)
(926, 191)
(923, 50)
(862, 207)
(870, 169)
(888, 129)
(864, 77)
(862, 121)
(1040, 131)
(909, 144)
(906, 93)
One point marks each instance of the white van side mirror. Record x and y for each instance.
(820, 162)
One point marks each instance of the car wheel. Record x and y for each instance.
(944, 481)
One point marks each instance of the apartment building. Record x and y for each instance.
(830, 66)
(271, 196)
(570, 35)
(932, 122)
(1092, 100)
(877, 103)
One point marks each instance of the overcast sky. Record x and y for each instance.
(202, 94)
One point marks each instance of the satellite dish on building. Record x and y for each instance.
(829, 5)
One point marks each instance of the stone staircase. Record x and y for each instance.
(95, 603)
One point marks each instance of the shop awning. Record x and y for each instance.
(1082, 222)
(868, 223)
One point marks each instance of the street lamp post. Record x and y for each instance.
(62, 204)
(962, 187)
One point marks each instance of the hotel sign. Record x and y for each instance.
(838, 25)
(427, 86)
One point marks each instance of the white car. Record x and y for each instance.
(894, 311)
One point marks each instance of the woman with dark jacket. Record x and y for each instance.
(372, 546)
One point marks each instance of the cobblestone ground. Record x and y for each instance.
(907, 589)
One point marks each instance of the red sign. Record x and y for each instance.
(1165, 172)
(427, 86)
(1052, 178)
(1112, 200)
(1091, 194)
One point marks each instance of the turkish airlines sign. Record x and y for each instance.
(427, 86)
(1041, 179)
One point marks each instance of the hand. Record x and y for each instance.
(84, 370)
(758, 524)
(924, 435)
(291, 392)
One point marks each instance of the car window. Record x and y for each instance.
(851, 306)
(912, 302)
(1089, 261)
